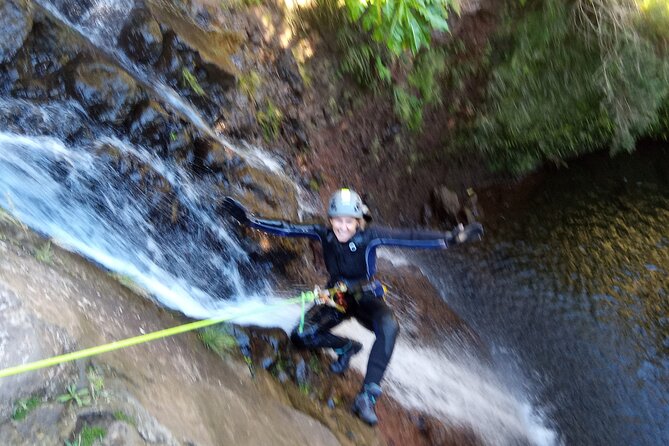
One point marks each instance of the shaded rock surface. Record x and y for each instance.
(15, 21)
(104, 91)
(141, 37)
(181, 395)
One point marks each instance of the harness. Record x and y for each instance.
(337, 296)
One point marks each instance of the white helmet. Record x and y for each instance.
(345, 203)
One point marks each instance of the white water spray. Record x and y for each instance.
(457, 388)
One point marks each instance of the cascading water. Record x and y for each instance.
(112, 200)
(76, 195)
(100, 24)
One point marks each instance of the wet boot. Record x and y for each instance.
(364, 403)
(344, 359)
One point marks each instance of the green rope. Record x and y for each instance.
(55, 360)
(303, 297)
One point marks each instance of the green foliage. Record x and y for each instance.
(45, 254)
(89, 435)
(401, 24)
(96, 384)
(305, 389)
(367, 60)
(423, 88)
(82, 397)
(217, 340)
(566, 81)
(408, 108)
(660, 128)
(270, 121)
(315, 364)
(249, 84)
(23, 407)
(249, 363)
(119, 415)
(242, 3)
(191, 81)
(360, 60)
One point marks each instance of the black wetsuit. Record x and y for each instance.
(354, 263)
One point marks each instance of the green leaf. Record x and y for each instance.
(384, 72)
(435, 19)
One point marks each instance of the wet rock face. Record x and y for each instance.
(16, 22)
(73, 10)
(141, 37)
(151, 125)
(289, 72)
(104, 91)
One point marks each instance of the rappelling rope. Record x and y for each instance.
(129, 342)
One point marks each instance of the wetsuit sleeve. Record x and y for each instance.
(277, 227)
(286, 229)
(410, 238)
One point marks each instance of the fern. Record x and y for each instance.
(402, 24)
(191, 81)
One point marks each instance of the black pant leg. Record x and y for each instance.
(316, 331)
(378, 317)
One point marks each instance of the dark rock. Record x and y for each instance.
(426, 214)
(473, 210)
(295, 134)
(418, 419)
(301, 372)
(170, 61)
(16, 21)
(161, 198)
(254, 34)
(267, 362)
(282, 377)
(39, 64)
(150, 124)
(274, 342)
(141, 37)
(243, 341)
(107, 93)
(179, 141)
(289, 72)
(266, 193)
(446, 205)
(213, 46)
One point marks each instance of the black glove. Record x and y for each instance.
(461, 234)
(236, 210)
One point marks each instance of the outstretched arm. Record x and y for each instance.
(276, 227)
(411, 238)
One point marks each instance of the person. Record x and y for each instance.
(349, 251)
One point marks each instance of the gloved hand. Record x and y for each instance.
(236, 210)
(461, 234)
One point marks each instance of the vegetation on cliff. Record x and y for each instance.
(560, 77)
(571, 77)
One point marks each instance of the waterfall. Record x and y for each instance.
(81, 194)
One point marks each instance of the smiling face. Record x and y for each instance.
(344, 228)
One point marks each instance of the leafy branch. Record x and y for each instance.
(402, 24)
